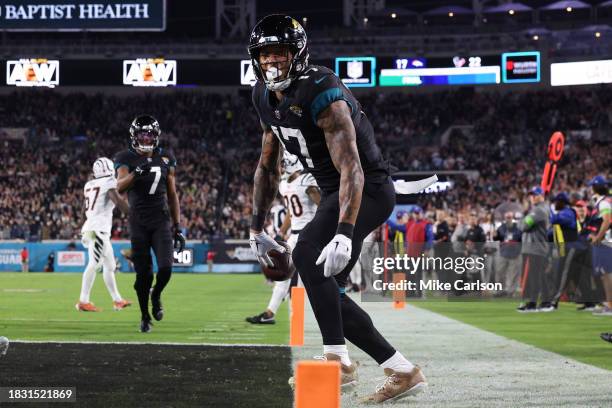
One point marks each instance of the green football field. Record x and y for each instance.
(199, 309)
(212, 308)
(567, 332)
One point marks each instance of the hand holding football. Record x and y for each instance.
(283, 264)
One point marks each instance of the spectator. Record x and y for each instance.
(25, 260)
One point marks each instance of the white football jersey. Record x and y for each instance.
(277, 212)
(98, 204)
(300, 206)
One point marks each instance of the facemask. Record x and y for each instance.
(272, 74)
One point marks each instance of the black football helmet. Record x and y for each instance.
(284, 30)
(145, 132)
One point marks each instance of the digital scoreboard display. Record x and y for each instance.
(184, 258)
(356, 71)
(581, 73)
(521, 67)
(455, 70)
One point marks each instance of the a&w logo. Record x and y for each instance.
(32, 72)
(149, 72)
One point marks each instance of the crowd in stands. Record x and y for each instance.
(216, 139)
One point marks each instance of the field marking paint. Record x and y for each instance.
(146, 342)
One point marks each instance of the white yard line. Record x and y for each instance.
(147, 342)
(469, 367)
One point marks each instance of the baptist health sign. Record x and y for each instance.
(89, 15)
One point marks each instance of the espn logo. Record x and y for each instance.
(70, 258)
(149, 72)
(32, 72)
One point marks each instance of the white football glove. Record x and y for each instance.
(336, 255)
(261, 243)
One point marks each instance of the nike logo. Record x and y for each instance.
(318, 81)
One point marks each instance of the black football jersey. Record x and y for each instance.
(147, 195)
(293, 121)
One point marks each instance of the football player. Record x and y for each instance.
(147, 173)
(307, 110)
(301, 196)
(100, 199)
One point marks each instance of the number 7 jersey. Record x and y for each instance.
(147, 196)
(98, 205)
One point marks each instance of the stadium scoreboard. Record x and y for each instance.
(369, 71)
(460, 69)
(521, 67)
(356, 71)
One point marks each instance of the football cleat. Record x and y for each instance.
(87, 307)
(603, 311)
(527, 308)
(261, 318)
(586, 307)
(122, 304)
(606, 337)
(145, 326)
(156, 308)
(397, 386)
(546, 307)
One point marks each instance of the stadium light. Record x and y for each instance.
(393, 15)
(536, 37)
(568, 9)
(304, 20)
(511, 12)
(451, 14)
(365, 20)
(597, 34)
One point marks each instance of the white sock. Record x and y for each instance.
(111, 284)
(88, 279)
(398, 363)
(278, 294)
(339, 350)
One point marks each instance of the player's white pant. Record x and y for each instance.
(101, 254)
(281, 288)
(355, 274)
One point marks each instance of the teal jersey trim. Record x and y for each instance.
(324, 99)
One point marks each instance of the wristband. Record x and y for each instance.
(177, 226)
(258, 221)
(346, 229)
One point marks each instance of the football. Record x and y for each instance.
(283, 264)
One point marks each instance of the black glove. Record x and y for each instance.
(143, 167)
(179, 239)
